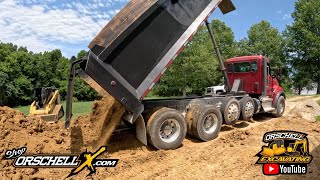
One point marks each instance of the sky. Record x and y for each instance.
(44, 25)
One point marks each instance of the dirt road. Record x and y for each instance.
(230, 156)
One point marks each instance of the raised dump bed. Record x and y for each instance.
(130, 54)
(136, 47)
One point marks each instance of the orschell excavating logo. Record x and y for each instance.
(78, 162)
(287, 153)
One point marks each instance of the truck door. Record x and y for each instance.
(255, 78)
(269, 80)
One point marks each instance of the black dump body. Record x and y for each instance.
(141, 47)
(133, 51)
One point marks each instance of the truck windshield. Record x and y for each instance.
(242, 67)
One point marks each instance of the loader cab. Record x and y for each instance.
(42, 96)
(255, 74)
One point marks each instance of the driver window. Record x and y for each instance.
(254, 66)
(242, 67)
(230, 70)
(268, 69)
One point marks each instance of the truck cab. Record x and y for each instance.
(254, 73)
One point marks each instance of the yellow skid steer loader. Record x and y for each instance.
(47, 104)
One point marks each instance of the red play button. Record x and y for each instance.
(271, 169)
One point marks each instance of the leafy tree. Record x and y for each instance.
(7, 89)
(263, 39)
(81, 54)
(242, 48)
(304, 43)
(22, 71)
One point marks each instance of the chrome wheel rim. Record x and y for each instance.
(210, 123)
(249, 109)
(169, 130)
(233, 112)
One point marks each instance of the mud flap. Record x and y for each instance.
(141, 132)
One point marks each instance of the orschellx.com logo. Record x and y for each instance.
(77, 162)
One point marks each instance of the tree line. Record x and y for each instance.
(296, 50)
(21, 71)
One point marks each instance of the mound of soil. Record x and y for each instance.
(307, 110)
(87, 132)
(18, 130)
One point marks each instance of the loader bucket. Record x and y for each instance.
(139, 44)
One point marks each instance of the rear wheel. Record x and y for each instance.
(166, 129)
(280, 107)
(204, 122)
(247, 108)
(230, 110)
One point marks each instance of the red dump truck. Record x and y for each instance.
(130, 54)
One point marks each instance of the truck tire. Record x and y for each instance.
(280, 107)
(166, 129)
(191, 114)
(230, 110)
(204, 122)
(257, 105)
(247, 106)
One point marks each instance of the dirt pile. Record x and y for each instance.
(307, 110)
(18, 130)
(87, 132)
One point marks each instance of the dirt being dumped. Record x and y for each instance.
(96, 128)
(87, 132)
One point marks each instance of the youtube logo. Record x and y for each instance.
(271, 169)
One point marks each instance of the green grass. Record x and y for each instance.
(78, 109)
(152, 95)
(290, 95)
